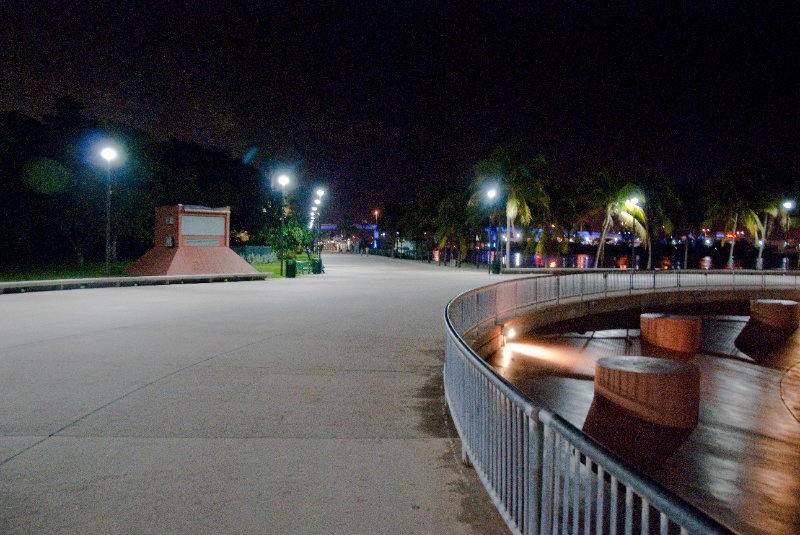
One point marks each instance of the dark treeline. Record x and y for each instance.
(52, 207)
(740, 216)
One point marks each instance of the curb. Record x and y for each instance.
(117, 282)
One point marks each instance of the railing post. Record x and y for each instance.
(630, 284)
(547, 481)
(558, 289)
(605, 282)
(533, 492)
(654, 279)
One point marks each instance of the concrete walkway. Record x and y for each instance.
(311, 405)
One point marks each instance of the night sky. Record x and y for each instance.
(375, 99)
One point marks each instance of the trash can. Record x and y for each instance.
(316, 266)
(291, 269)
(496, 266)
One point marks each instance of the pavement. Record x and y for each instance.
(307, 405)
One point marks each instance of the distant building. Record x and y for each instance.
(191, 240)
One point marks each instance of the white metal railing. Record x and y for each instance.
(543, 474)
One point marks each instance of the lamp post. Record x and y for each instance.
(375, 245)
(109, 154)
(491, 195)
(787, 205)
(283, 180)
(318, 201)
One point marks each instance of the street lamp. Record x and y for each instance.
(318, 201)
(787, 205)
(375, 245)
(109, 154)
(283, 180)
(492, 195)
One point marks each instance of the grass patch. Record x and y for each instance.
(88, 271)
(272, 267)
(275, 267)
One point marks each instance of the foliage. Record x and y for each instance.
(296, 237)
(516, 181)
(736, 198)
(453, 222)
(612, 198)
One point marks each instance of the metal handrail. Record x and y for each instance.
(543, 474)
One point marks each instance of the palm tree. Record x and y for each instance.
(613, 199)
(453, 222)
(560, 220)
(735, 198)
(663, 206)
(522, 190)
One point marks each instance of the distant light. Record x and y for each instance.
(517, 259)
(108, 154)
(634, 201)
(509, 332)
(283, 180)
(313, 208)
(317, 202)
(320, 192)
(788, 205)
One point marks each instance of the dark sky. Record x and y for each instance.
(377, 98)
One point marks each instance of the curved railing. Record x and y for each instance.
(543, 474)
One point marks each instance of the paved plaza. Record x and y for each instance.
(308, 405)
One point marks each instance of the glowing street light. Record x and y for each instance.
(375, 243)
(283, 180)
(491, 195)
(318, 211)
(788, 206)
(109, 154)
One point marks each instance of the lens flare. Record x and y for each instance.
(571, 360)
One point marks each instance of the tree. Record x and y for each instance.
(560, 220)
(521, 189)
(612, 198)
(735, 197)
(453, 222)
(81, 213)
(663, 206)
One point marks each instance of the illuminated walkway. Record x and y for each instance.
(742, 462)
(311, 405)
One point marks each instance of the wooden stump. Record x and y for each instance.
(676, 333)
(661, 391)
(780, 314)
